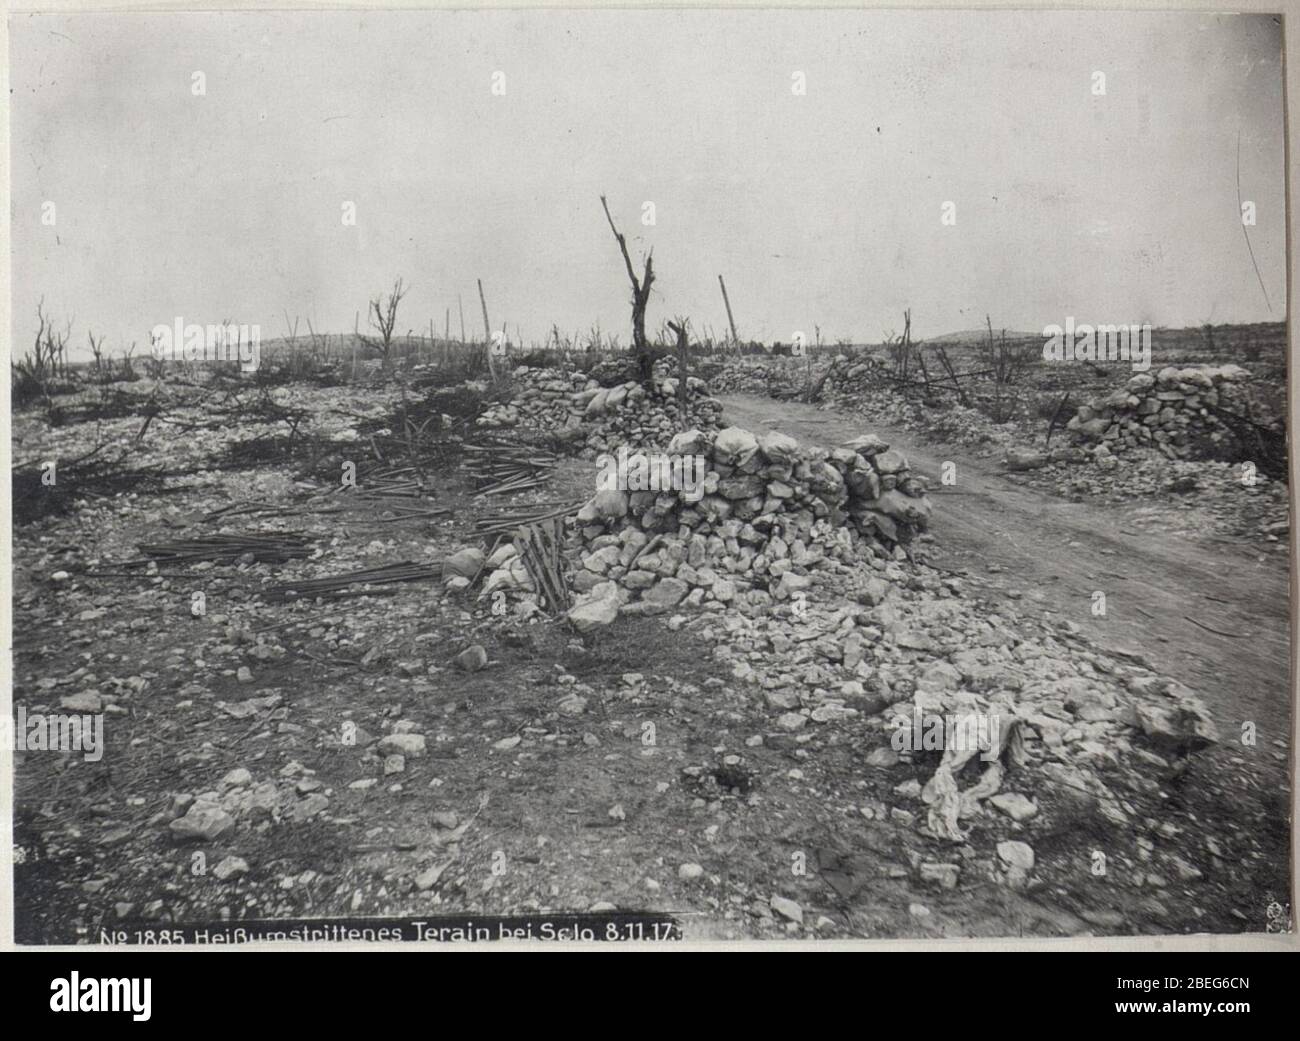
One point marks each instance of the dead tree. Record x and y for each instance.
(50, 346)
(640, 296)
(320, 342)
(383, 316)
(683, 363)
(901, 348)
(97, 352)
(952, 375)
(128, 368)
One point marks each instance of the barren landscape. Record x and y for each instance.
(424, 744)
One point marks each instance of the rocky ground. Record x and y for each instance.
(409, 751)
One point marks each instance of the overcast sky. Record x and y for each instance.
(819, 209)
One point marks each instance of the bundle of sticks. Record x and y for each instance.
(498, 468)
(340, 585)
(274, 546)
(511, 517)
(400, 490)
(389, 483)
(538, 546)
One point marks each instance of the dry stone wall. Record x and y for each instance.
(1171, 411)
(766, 512)
(598, 419)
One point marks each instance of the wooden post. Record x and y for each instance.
(683, 366)
(730, 321)
(487, 326)
(460, 303)
(487, 332)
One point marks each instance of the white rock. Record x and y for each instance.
(787, 908)
(1017, 855)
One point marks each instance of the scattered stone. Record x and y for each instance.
(230, 867)
(1017, 855)
(787, 909)
(204, 822)
(882, 757)
(1016, 806)
(86, 701)
(593, 614)
(945, 875)
(472, 658)
(412, 745)
(237, 778)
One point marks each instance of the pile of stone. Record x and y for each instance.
(598, 419)
(765, 376)
(765, 512)
(1060, 718)
(849, 376)
(782, 376)
(1172, 411)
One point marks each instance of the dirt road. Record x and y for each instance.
(1057, 554)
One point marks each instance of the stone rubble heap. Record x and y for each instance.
(758, 375)
(769, 512)
(849, 377)
(1170, 411)
(1064, 719)
(599, 419)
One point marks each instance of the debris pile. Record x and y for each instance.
(772, 377)
(501, 469)
(864, 373)
(595, 418)
(989, 718)
(1179, 412)
(248, 548)
(734, 517)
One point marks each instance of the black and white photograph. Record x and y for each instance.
(772, 477)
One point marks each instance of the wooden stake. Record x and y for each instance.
(731, 321)
(487, 326)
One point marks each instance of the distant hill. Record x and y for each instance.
(974, 335)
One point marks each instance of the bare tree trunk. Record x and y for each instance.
(640, 296)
